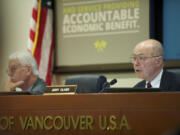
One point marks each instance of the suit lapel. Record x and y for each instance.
(144, 84)
(164, 80)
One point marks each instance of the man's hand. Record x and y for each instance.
(11, 86)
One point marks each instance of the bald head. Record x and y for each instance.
(154, 47)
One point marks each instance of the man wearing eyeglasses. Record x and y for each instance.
(148, 65)
(23, 73)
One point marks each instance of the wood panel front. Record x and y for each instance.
(90, 114)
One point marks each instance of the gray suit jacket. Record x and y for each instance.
(38, 87)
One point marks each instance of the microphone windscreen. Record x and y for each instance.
(113, 81)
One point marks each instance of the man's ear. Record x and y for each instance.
(29, 69)
(159, 60)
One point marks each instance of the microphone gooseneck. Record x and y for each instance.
(108, 84)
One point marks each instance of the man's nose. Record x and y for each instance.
(136, 62)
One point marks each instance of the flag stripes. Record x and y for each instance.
(41, 38)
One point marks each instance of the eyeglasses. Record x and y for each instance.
(141, 58)
(14, 68)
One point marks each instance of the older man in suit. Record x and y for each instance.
(148, 65)
(23, 73)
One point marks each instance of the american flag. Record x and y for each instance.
(41, 38)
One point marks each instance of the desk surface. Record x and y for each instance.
(97, 114)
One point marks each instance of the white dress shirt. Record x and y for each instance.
(156, 82)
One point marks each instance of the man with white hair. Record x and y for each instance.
(148, 65)
(23, 73)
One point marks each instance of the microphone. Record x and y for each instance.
(112, 82)
(108, 84)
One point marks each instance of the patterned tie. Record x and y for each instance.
(149, 85)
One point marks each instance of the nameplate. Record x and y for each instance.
(57, 89)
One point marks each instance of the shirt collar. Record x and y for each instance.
(156, 82)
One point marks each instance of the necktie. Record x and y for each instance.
(149, 85)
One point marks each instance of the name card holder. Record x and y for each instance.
(60, 89)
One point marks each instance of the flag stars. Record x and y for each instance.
(49, 3)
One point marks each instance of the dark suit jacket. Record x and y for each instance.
(169, 82)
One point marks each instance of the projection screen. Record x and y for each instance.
(98, 34)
